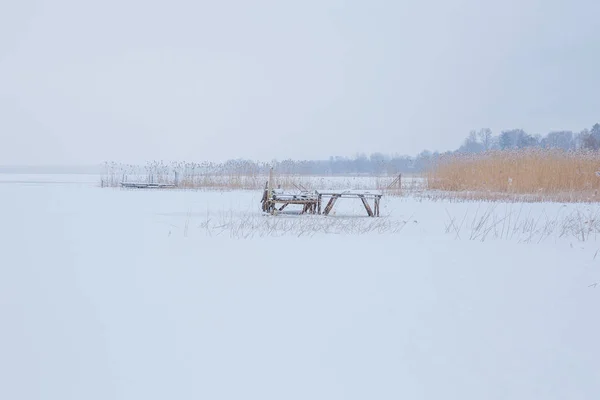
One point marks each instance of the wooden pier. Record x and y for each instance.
(312, 202)
(275, 200)
(146, 185)
(363, 195)
(278, 200)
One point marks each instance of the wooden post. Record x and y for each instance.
(400, 182)
(367, 206)
(270, 190)
(265, 197)
(319, 204)
(375, 206)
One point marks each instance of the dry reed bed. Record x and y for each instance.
(242, 176)
(535, 175)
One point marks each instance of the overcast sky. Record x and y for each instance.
(133, 80)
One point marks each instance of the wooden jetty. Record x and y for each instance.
(311, 202)
(363, 195)
(275, 200)
(278, 200)
(146, 185)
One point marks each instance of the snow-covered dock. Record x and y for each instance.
(312, 200)
(146, 185)
(363, 195)
(277, 199)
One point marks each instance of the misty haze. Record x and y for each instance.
(299, 200)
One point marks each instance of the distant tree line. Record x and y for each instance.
(383, 164)
(477, 141)
(483, 140)
(360, 164)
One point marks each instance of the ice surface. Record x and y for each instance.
(121, 294)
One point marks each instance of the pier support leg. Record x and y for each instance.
(367, 206)
(330, 204)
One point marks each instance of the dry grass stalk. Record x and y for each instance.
(582, 224)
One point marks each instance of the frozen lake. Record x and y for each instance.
(123, 294)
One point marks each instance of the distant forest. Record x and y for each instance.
(477, 141)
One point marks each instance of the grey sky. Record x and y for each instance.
(131, 80)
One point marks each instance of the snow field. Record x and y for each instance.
(121, 294)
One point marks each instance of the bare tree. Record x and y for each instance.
(486, 138)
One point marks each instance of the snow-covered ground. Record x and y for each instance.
(124, 294)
